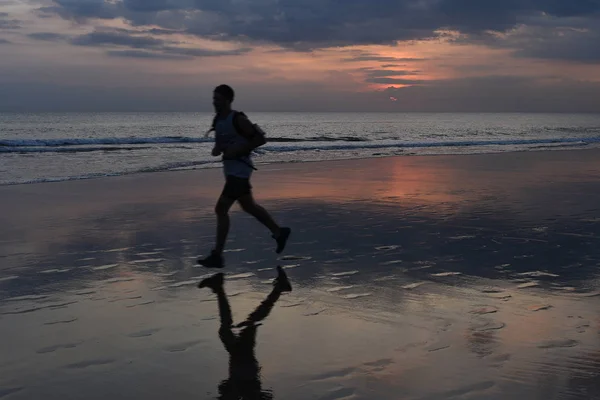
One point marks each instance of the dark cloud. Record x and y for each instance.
(147, 55)
(146, 46)
(563, 8)
(562, 44)
(4, 41)
(175, 53)
(156, 5)
(48, 36)
(373, 57)
(390, 76)
(7, 23)
(472, 16)
(204, 52)
(141, 31)
(112, 38)
(395, 81)
(324, 23)
(380, 73)
(572, 39)
(80, 10)
(154, 31)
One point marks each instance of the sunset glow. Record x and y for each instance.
(311, 54)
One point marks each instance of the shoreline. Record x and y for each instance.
(275, 163)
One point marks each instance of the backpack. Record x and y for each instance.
(259, 135)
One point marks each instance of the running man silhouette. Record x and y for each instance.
(244, 380)
(235, 139)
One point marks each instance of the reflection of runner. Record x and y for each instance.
(244, 370)
(235, 138)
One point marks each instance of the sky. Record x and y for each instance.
(301, 55)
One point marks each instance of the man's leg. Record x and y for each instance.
(225, 333)
(251, 207)
(264, 309)
(280, 234)
(280, 285)
(215, 259)
(215, 283)
(222, 211)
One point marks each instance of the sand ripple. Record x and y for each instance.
(91, 363)
(177, 348)
(339, 288)
(241, 276)
(144, 333)
(348, 273)
(356, 295)
(528, 285)
(443, 274)
(104, 267)
(413, 285)
(553, 344)
(52, 349)
(8, 391)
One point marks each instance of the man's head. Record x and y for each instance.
(223, 96)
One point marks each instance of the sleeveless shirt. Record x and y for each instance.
(226, 135)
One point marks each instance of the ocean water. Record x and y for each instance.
(65, 146)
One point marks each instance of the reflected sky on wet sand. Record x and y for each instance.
(414, 277)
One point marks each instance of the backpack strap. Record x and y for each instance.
(235, 124)
(236, 115)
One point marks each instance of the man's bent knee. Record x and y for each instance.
(221, 211)
(222, 207)
(247, 204)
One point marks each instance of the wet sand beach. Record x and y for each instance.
(426, 277)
